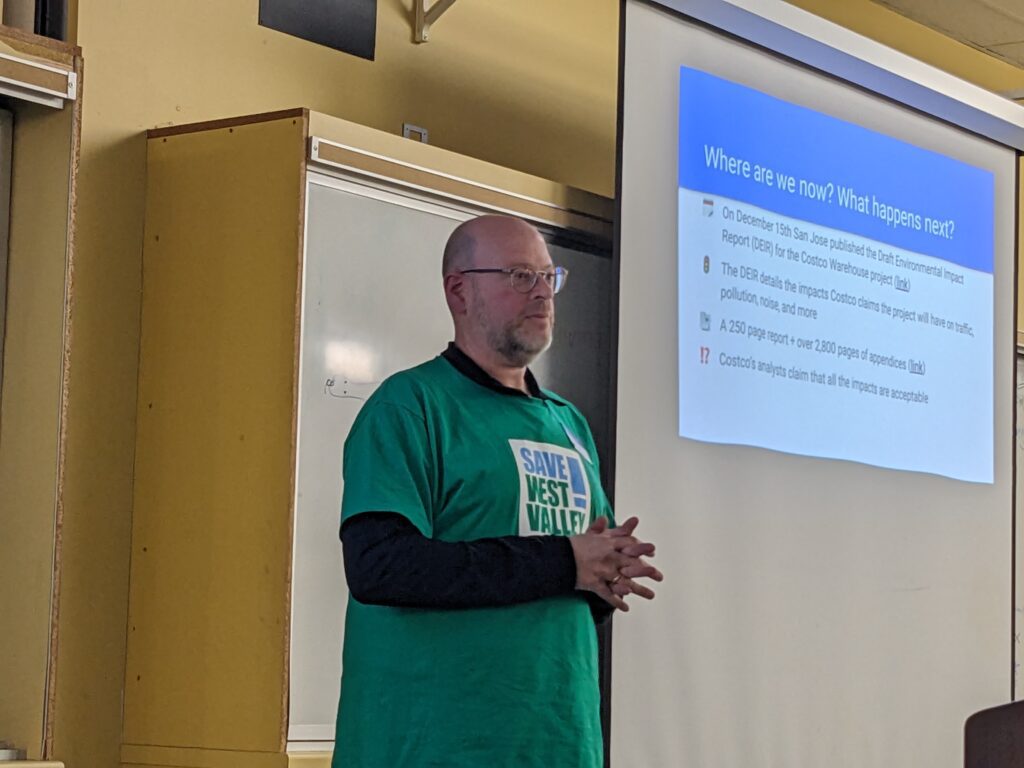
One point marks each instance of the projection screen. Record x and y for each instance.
(814, 412)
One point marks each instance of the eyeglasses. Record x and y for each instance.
(524, 279)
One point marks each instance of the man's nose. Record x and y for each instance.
(541, 289)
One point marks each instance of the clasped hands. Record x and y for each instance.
(609, 560)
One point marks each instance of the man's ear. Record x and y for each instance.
(455, 293)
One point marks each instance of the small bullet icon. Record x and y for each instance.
(708, 207)
(705, 354)
(707, 264)
(705, 321)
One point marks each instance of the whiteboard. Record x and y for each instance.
(373, 304)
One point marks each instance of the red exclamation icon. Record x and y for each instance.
(705, 354)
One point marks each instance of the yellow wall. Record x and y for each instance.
(528, 84)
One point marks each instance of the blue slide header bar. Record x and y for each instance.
(740, 143)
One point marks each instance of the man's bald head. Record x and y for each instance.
(480, 236)
(495, 321)
(458, 251)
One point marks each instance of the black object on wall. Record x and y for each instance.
(50, 18)
(345, 25)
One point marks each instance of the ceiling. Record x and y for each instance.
(993, 26)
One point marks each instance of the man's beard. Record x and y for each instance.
(512, 342)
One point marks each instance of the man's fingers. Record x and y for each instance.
(641, 570)
(607, 594)
(624, 587)
(637, 549)
(626, 529)
(622, 542)
(639, 589)
(617, 555)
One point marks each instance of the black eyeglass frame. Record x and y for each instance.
(555, 279)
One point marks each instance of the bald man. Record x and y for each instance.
(477, 539)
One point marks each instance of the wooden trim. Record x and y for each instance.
(309, 760)
(300, 212)
(26, 72)
(67, 51)
(65, 397)
(537, 210)
(144, 754)
(229, 122)
(449, 162)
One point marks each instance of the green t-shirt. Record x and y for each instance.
(513, 686)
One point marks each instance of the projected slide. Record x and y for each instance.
(835, 287)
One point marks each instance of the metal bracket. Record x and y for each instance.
(425, 17)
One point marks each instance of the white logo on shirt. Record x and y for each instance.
(554, 491)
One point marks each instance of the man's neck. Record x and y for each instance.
(513, 377)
